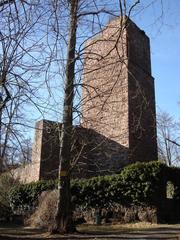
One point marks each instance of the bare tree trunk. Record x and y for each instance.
(63, 218)
(1, 159)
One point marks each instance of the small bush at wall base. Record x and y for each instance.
(26, 195)
(7, 182)
(44, 215)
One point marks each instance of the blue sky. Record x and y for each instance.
(162, 25)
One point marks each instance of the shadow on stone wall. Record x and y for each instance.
(99, 154)
(92, 154)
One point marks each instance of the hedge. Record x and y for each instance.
(6, 184)
(26, 195)
(139, 183)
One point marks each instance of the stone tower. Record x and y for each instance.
(118, 93)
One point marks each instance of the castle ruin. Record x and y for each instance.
(118, 124)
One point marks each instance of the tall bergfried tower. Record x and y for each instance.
(118, 93)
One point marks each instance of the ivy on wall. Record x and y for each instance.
(139, 183)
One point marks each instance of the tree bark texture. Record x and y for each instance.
(63, 218)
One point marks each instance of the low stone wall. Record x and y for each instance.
(28, 173)
(93, 154)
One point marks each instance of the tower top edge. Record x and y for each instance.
(125, 22)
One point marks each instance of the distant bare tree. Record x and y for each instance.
(21, 63)
(18, 153)
(168, 139)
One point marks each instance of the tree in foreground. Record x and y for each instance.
(84, 14)
(64, 215)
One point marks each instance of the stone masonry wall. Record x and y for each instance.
(118, 97)
(31, 172)
(141, 97)
(27, 174)
(105, 95)
(45, 154)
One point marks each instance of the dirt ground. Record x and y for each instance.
(92, 232)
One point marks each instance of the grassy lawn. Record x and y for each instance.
(118, 228)
(93, 231)
(16, 230)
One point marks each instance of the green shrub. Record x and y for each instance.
(94, 192)
(26, 195)
(139, 183)
(7, 182)
(143, 182)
